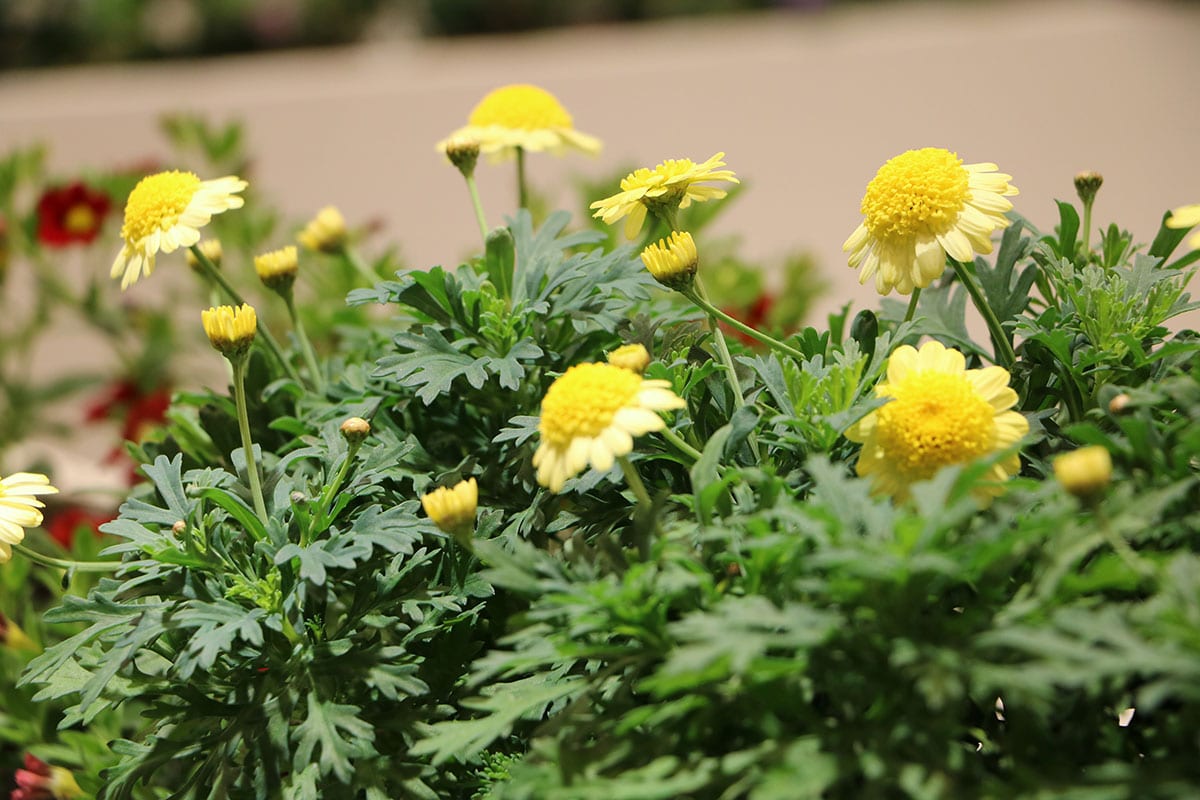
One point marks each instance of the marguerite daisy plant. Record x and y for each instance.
(166, 212)
(938, 414)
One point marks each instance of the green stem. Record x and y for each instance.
(769, 341)
(239, 397)
(679, 444)
(306, 348)
(1087, 230)
(1004, 350)
(264, 334)
(522, 190)
(912, 304)
(66, 563)
(634, 480)
(319, 519)
(351, 255)
(475, 201)
(739, 399)
(1121, 547)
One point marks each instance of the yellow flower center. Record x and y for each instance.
(156, 203)
(934, 419)
(918, 193)
(521, 106)
(584, 400)
(80, 219)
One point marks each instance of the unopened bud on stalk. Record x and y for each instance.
(355, 430)
(1087, 184)
(633, 357)
(463, 153)
(673, 261)
(453, 510)
(1119, 403)
(1084, 472)
(230, 330)
(211, 249)
(277, 269)
(326, 233)
(179, 527)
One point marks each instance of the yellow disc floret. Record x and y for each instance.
(584, 400)
(521, 106)
(590, 416)
(938, 414)
(157, 202)
(918, 193)
(934, 420)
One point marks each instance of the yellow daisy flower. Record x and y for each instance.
(165, 212)
(591, 414)
(20, 508)
(920, 206)
(277, 269)
(1186, 217)
(633, 357)
(940, 413)
(525, 116)
(671, 184)
(326, 232)
(453, 509)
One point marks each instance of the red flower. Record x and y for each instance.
(63, 525)
(40, 781)
(69, 214)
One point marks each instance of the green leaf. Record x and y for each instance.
(339, 732)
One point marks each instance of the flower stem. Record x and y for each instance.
(912, 304)
(268, 340)
(634, 480)
(1087, 229)
(522, 190)
(327, 496)
(66, 563)
(1004, 349)
(351, 255)
(310, 357)
(769, 341)
(679, 444)
(475, 201)
(739, 399)
(239, 397)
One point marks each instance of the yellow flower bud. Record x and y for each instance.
(326, 233)
(453, 510)
(633, 357)
(230, 330)
(277, 269)
(211, 249)
(673, 261)
(1084, 472)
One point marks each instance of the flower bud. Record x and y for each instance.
(230, 330)
(673, 261)
(463, 153)
(179, 527)
(277, 269)
(355, 430)
(12, 637)
(1119, 403)
(210, 249)
(326, 233)
(633, 357)
(1087, 184)
(453, 510)
(1084, 472)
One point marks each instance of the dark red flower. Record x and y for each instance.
(63, 524)
(40, 781)
(70, 214)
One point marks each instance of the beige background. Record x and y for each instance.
(806, 107)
